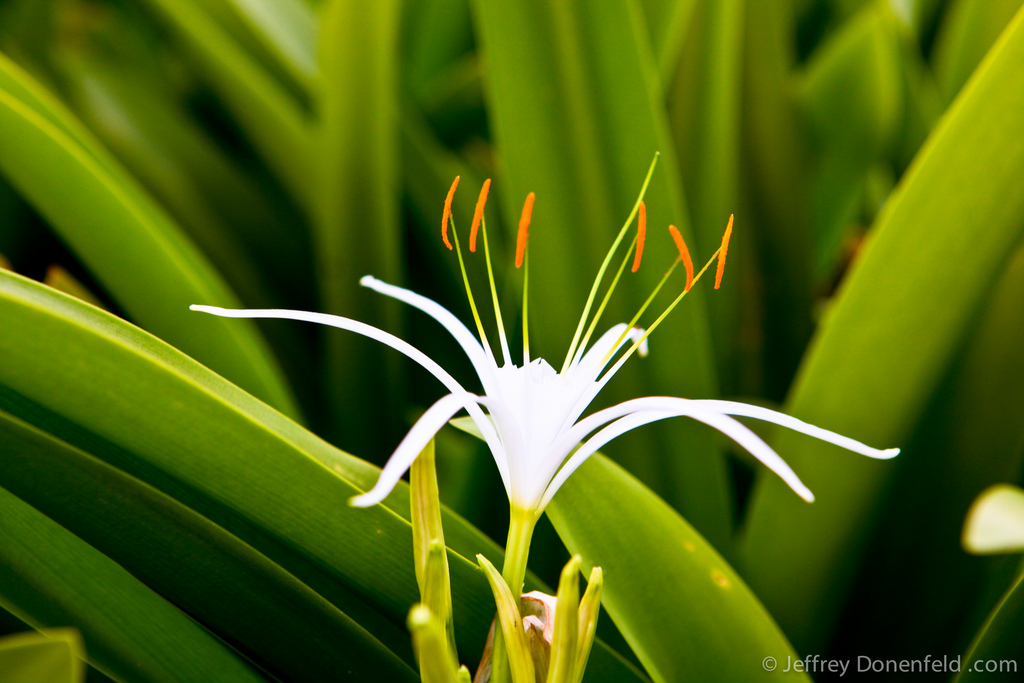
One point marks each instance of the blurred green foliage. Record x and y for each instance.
(268, 153)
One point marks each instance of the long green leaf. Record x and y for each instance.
(969, 438)
(998, 642)
(576, 106)
(684, 611)
(669, 23)
(852, 93)
(49, 577)
(272, 118)
(356, 204)
(888, 339)
(967, 32)
(283, 33)
(133, 249)
(778, 159)
(705, 110)
(259, 608)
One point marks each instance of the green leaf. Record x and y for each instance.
(887, 341)
(284, 32)
(998, 641)
(131, 246)
(51, 656)
(259, 608)
(968, 439)
(357, 196)
(50, 577)
(684, 611)
(778, 157)
(705, 109)
(133, 108)
(852, 93)
(436, 33)
(668, 22)
(270, 116)
(967, 32)
(576, 107)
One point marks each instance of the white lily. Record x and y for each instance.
(529, 414)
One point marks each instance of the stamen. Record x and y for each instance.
(526, 316)
(524, 229)
(604, 267)
(521, 256)
(636, 343)
(684, 254)
(478, 214)
(643, 309)
(722, 252)
(600, 309)
(641, 233)
(494, 290)
(448, 212)
(469, 292)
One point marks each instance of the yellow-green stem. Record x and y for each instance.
(604, 303)
(604, 266)
(636, 318)
(469, 290)
(517, 550)
(526, 301)
(494, 296)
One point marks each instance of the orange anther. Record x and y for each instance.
(722, 252)
(448, 212)
(641, 234)
(524, 229)
(684, 255)
(478, 214)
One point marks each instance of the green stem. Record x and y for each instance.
(517, 549)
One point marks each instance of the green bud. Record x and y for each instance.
(562, 667)
(590, 609)
(515, 640)
(430, 643)
(431, 558)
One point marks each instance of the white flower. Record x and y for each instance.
(529, 414)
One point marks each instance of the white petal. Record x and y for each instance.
(759, 413)
(490, 435)
(481, 359)
(412, 445)
(681, 407)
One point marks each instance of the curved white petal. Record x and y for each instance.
(680, 408)
(483, 362)
(581, 429)
(759, 413)
(403, 347)
(412, 445)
